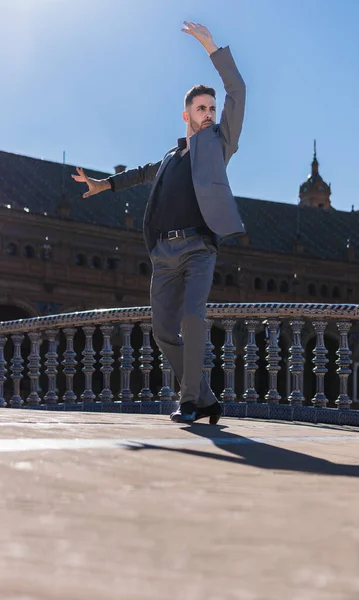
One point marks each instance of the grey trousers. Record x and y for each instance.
(181, 281)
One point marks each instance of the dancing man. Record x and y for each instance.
(190, 207)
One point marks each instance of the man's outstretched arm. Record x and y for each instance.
(118, 182)
(233, 112)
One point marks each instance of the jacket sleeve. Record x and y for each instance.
(127, 179)
(231, 121)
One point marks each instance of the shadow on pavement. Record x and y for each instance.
(246, 451)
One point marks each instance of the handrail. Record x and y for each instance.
(143, 313)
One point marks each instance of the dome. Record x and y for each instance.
(315, 191)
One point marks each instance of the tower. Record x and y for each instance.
(315, 191)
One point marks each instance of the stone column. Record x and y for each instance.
(250, 361)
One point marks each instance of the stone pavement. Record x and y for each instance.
(114, 506)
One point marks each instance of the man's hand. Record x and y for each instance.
(95, 185)
(201, 33)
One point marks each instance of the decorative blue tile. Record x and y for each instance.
(168, 406)
(92, 407)
(131, 406)
(349, 417)
(307, 414)
(74, 407)
(56, 407)
(151, 407)
(282, 412)
(111, 407)
(328, 415)
(234, 409)
(257, 411)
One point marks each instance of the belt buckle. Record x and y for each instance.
(175, 232)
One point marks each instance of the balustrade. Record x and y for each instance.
(247, 385)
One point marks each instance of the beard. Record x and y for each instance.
(199, 126)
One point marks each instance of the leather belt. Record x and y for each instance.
(181, 233)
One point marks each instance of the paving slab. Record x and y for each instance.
(134, 507)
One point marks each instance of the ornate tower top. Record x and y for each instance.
(314, 191)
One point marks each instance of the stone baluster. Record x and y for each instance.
(34, 365)
(165, 392)
(250, 362)
(17, 369)
(343, 362)
(209, 355)
(273, 359)
(51, 364)
(3, 370)
(69, 364)
(146, 359)
(320, 360)
(88, 361)
(296, 364)
(106, 361)
(126, 362)
(228, 361)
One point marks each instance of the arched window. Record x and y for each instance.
(324, 291)
(80, 260)
(258, 283)
(229, 279)
(144, 269)
(111, 264)
(336, 292)
(312, 290)
(271, 286)
(11, 249)
(96, 262)
(29, 252)
(284, 287)
(217, 279)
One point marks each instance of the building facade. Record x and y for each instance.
(61, 253)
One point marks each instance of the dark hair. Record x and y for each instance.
(198, 90)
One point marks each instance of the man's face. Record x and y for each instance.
(201, 113)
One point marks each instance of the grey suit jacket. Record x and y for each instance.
(210, 152)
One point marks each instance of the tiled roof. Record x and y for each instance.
(271, 226)
(37, 185)
(278, 227)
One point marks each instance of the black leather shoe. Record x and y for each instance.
(185, 413)
(214, 412)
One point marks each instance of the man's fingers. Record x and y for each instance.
(81, 172)
(87, 194)
(81, 177)
(195, 28)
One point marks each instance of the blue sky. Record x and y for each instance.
(105, 79)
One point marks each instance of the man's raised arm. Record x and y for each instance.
(231, 121)
(118, 182)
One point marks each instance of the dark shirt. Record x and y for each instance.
(175, 203)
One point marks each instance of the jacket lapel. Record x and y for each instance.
(192, 148)
(206, 134)
(160, 171)
(164, 164)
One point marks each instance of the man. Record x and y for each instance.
(190, 207)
